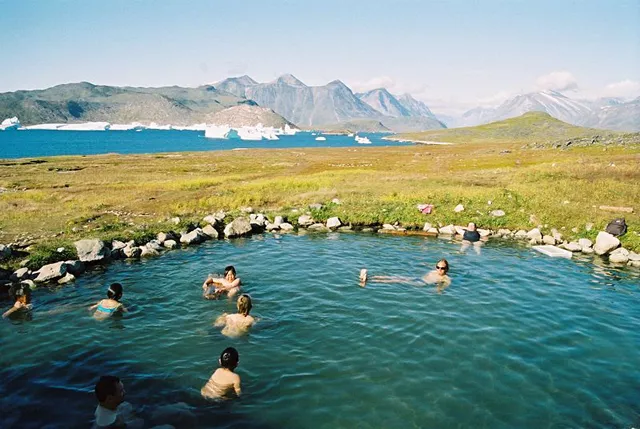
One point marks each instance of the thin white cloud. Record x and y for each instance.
(374, 83)
(625, 88)
(557, 81)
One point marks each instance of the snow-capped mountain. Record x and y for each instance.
(606, 113)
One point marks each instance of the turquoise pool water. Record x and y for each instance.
(519, 340)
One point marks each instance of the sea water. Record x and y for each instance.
(33, 143)
(519, 340)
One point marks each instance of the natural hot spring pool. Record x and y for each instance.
(519, 340)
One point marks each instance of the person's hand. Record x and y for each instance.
(18, 304)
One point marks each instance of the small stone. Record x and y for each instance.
(286, 227)
(587, 250)
(60, 249)
(427, 226)
(497, 213)
(573, 247)
(335, 201)
(211, 220)
(170, 244)
(175, 220)
(574, 230)
(272, 227)
(588, 226)
(315, 206)
(278, 220)
(146, 251)
(117, 245)
(68, 278)
(238, 227)
(619, 256)
(585, 242)
(489, 203)
(447, 230)
(633, 256)
(367, 229)
(305, 220)
(388, 227)
(459, 208)
(30, 283)
(246, 210)
(535, 234)
(131, 252)
(520, 234)
(547, 239)
(210, 231)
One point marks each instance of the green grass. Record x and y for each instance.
(134, 196)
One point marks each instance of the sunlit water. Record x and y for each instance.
(32, 143)
(519, 340)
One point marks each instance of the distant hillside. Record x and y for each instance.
(84, 102)
(240, 116)
(532, 127)
(382, 101)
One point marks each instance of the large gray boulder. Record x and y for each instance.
(210, 231)
(521, 234)
(333, 222)
(605, 243)
(535, 236)
(585, 242)
(68, 278)
(164, 236)
(573, 247)
(146, 251)
(447, 230)
(258, 220)
(305, 221)
(286, 227)
(194, 237)
(131, 252)
(238, 227)
(547, 239)
(51, 272)
(211, 220)
(92, 250)
(118, 245)
(170, 244)
(619, 256)
(21, 274)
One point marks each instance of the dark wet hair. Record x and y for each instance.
(115, 291)
(107, 385)
(446, 263)
(20, 290)
(244, 304)
(229, 358)
(230, 268)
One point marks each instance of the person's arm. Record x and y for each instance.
(236, 386)
(123, 308)
(226, 285)
(94, 306)
(17, 306)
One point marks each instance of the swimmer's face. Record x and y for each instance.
(230, 276)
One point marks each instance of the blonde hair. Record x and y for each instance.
(244, 304)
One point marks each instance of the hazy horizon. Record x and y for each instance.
(452, 55)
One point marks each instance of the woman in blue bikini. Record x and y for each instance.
(106, 307)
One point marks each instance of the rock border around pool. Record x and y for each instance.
(94, 251)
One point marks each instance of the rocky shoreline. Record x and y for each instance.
(219, 226)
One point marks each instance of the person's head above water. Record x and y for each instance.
(21, 293)
(244, 304)
(471, 226)
(442, 266)
(230, 273)
(115, 291)
(229, 358)
(110, 391)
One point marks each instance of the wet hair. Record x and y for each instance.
(446, 263)
(229, 268)
(229, 358)
(107, 385)
(115, 291)
(244, 304)
(20, 290)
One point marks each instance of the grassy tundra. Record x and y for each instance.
(53, 201)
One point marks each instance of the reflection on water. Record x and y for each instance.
(517, 340)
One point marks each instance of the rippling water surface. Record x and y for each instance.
(31, 143)
(519, 340)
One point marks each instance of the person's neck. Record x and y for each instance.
(108, 406)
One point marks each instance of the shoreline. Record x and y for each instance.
(423, 142)
(92, 251)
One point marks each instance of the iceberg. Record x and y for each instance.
(154, 126)
(10, 124)
(320, 138)
(43, 127)
(288, 131)
(217, 132)
(126, 127)
(194, 127)
(362, 140)
(86, 126)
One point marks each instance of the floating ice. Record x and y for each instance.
(320, 138)
(10, 124)
(86, 126)
(44, 127)
(362, 140)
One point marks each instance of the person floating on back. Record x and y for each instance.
(224, 381)
(470, 237)
(240, 322)
(215, 287)
(107, 307)
(438, 276)
(22, 295)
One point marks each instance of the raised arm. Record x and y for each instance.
(17, 306)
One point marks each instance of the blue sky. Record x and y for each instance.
(454, 54)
